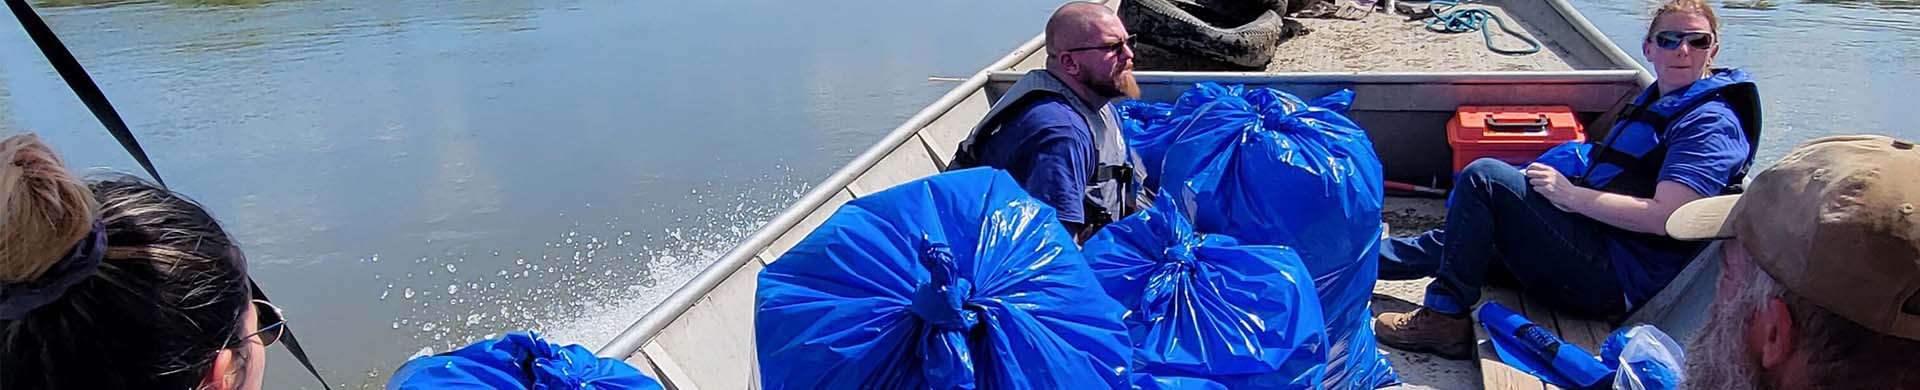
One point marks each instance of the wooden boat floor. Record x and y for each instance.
(1412, 216)
(1424, 371)
(1407, 217)
(1581, 331)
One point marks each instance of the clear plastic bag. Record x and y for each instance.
(1644, 358)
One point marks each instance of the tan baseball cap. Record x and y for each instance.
(1834, 221)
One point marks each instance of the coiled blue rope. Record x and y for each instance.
(1449, 18)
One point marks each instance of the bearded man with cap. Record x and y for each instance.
(1820, 280)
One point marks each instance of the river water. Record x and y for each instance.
(1824, 67)
(408, 176)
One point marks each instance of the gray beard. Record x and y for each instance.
(1718, 357)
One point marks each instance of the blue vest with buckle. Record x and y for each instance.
(1640, 174)
(1114, 185)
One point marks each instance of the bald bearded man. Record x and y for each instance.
(1055, 130)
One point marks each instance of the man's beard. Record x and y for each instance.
(1120, 84)
(1718, 358)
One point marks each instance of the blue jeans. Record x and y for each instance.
(1497, 225)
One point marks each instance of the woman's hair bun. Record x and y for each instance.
(44, 209)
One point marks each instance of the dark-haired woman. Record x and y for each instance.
(119, 284)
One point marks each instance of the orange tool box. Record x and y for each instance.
(1514, 134)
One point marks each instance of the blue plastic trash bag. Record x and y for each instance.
(1644, 358)
(518, 361)
(1267, 167)
(1150, 143)
(956, 281)
(1146, 126)
(1203, 306)
(1537, 351)
(1167, 382)
(1568, 158)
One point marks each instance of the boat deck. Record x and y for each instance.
(1390, 43)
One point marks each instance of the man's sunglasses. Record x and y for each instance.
(1107, 47)
(1671, 40)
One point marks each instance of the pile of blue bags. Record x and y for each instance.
(1207, 312)
(1254, 269)
(956, 281)
(1269, 168)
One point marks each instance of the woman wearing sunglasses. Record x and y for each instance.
(118, 284)
(1591, 242)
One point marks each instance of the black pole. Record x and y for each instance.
(69, 68)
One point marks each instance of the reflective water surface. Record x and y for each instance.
(413, 175)
(1824, 67)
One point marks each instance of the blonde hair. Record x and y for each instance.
(44, 209)
(1697, 7)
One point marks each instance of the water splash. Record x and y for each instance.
(583, 285)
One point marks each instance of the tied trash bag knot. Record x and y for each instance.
(941, 301)
(1275, 108)
(959, 280)
(1181, 252)
(1171, 278)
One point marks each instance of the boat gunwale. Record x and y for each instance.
(1592, 33)
(630, 341)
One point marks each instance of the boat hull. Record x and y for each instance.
(702, 335)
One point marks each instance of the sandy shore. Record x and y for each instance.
(1378, 43)
(1382, 42)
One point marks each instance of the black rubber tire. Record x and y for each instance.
(1150, 57)
(1179, 26)
(1240, 12)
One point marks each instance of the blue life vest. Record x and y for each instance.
(1649, 113)
(1114, 188)
(1640, 174)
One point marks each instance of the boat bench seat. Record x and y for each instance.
(1582, 331)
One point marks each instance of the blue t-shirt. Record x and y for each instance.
(1704, 149)
(1048, 148)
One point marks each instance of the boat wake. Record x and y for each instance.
(582, 286)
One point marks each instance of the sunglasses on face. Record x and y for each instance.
(1671, 40)
(273, 323)
(1107, 47)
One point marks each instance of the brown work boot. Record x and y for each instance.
(1425, 330)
